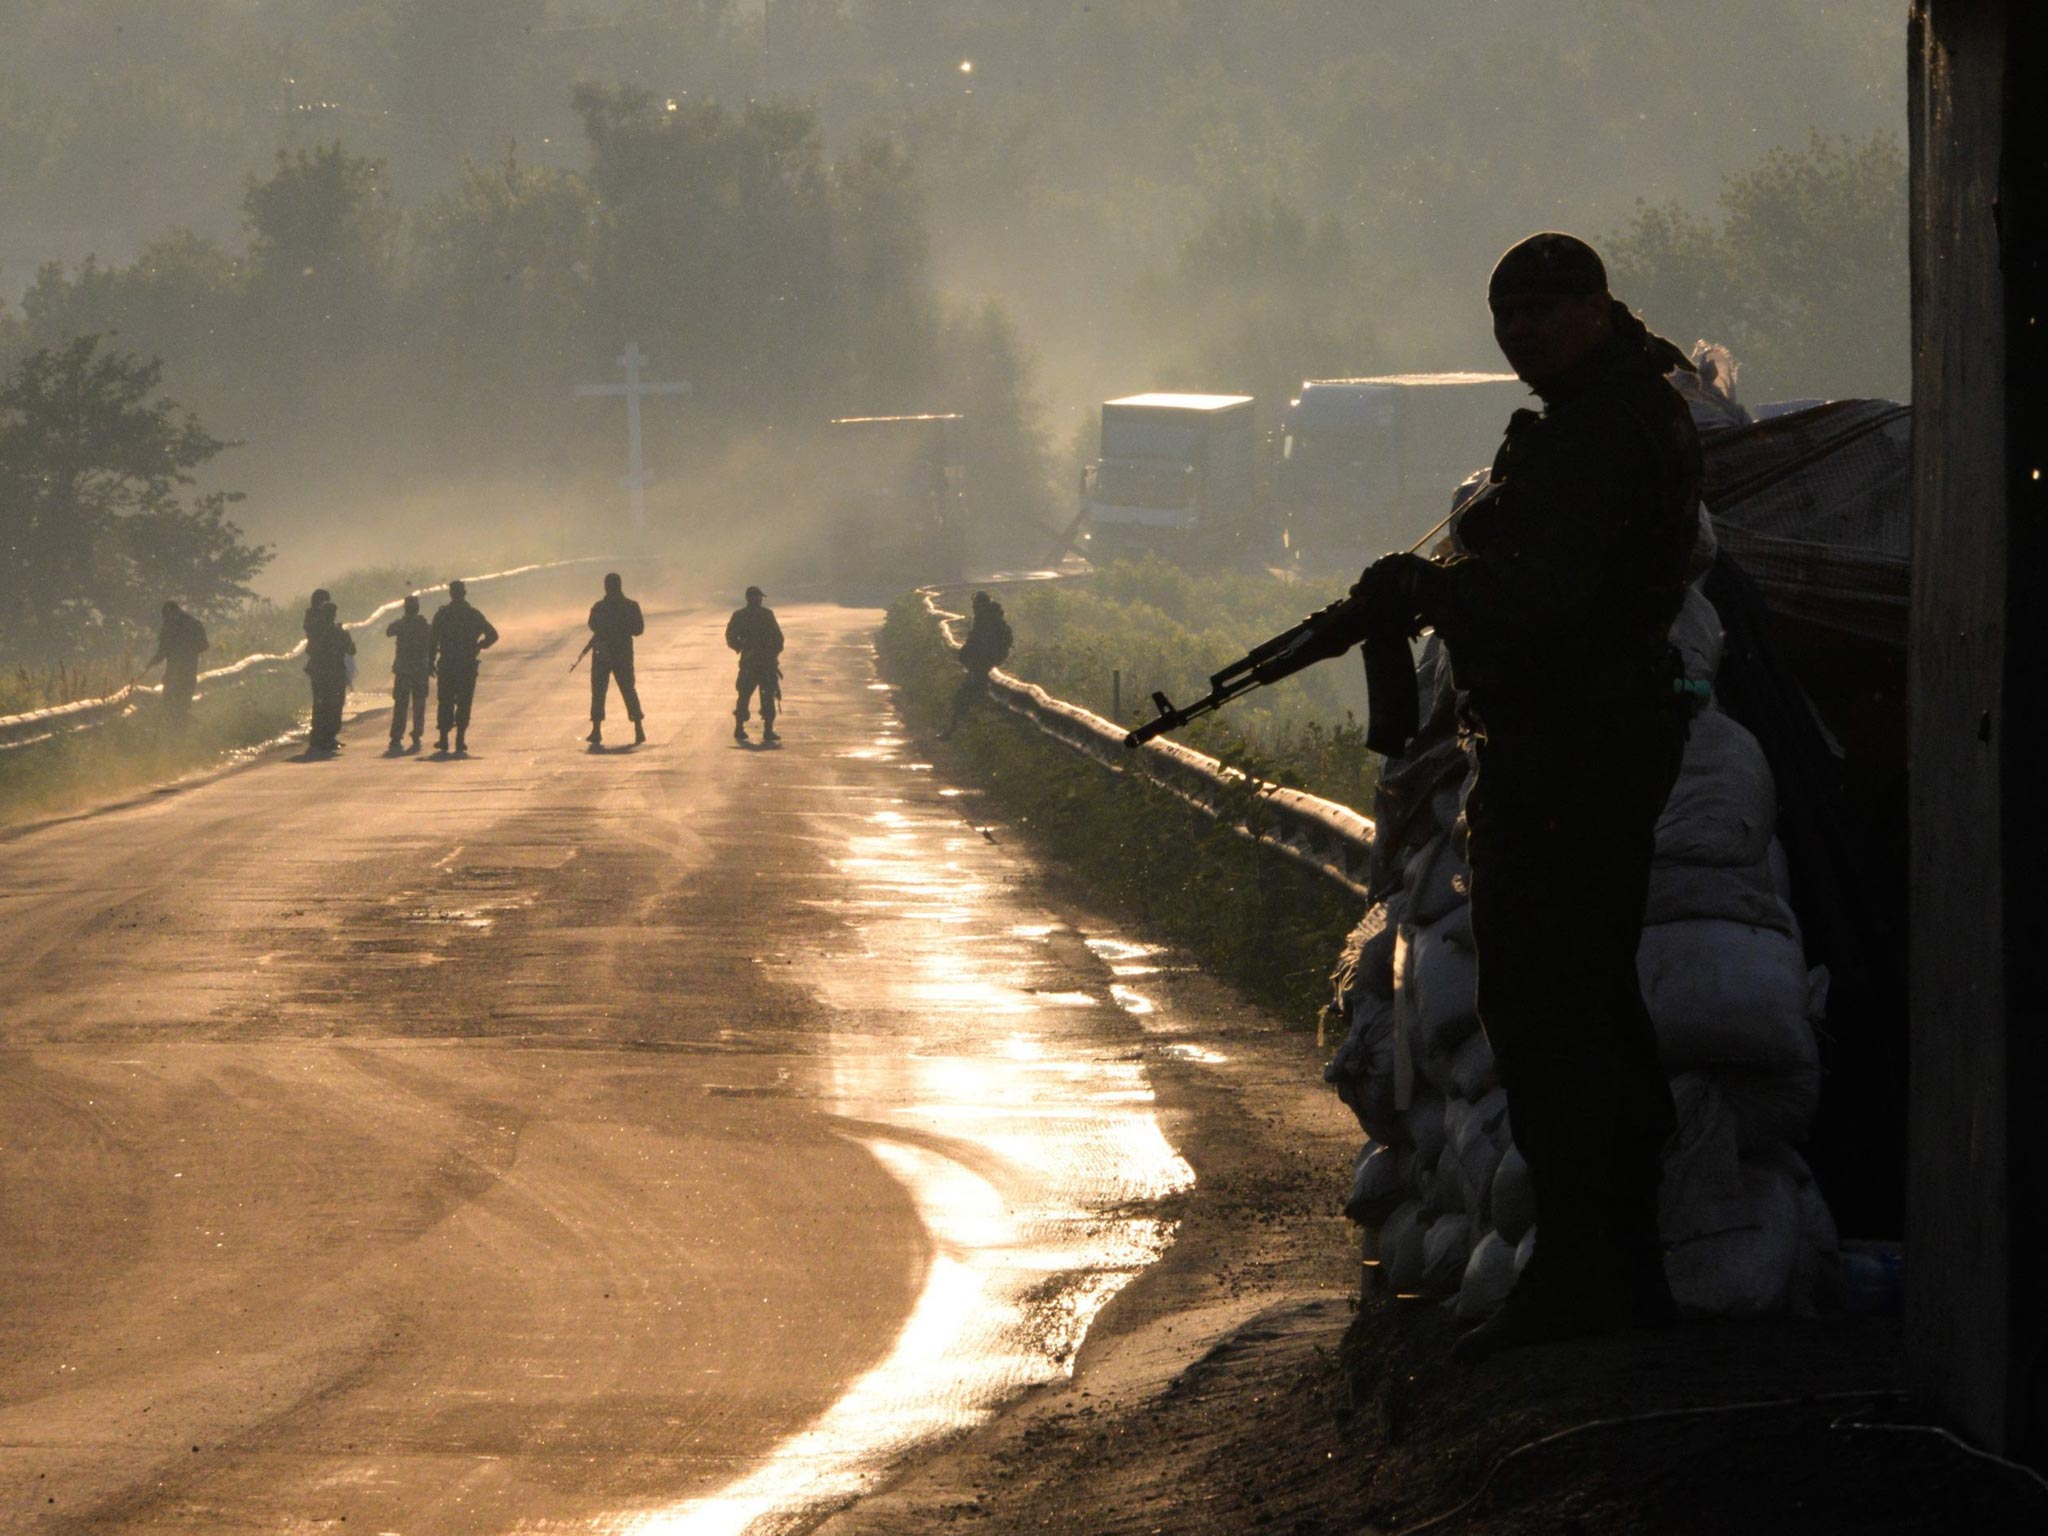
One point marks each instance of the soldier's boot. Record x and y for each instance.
(1642, 1290)
(596, 736)
(441, 745)
(639, 732)
(739, 728)
(768, 736)
(461, 743)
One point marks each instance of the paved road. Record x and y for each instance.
(547, 1140)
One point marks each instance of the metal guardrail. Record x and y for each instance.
(37, 725)
(1333, 840)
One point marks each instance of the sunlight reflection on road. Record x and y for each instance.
(979, 1065)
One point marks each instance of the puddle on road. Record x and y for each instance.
(1028, 1142)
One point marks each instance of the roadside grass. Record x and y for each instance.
(1128, 845)
(79, 768)
(1167, 630)
(261, 628)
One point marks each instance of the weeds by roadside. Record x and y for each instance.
(1153, 626)
(77, 768)
(1250, 914)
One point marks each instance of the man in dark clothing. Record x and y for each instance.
(753, 632)
(328, 648)
(614, 621)
(179, 640)
(1555, 614)
(410, 668)
(460, 635)
(987, 647)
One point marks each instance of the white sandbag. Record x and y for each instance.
(1512, 1201)
(1745, 1272)
(1362, 1071)
(1436, 880)
(1701, 1192)
(1736, 893)
(1471, 1072)
(1489, 1276)
(1378, 1183)
(1705, 546)
(1815, 1283)
(1401, 1249)
(1724, 805)
(1449, 1192)
(1525, 1250)
(1471, 1133)
(1726, 994)
(1445, 1251)
(1696, 636)
(1446, 982)
(1772, 1105)
(1423, 1121)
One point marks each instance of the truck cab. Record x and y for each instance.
(1176, 475)
(1367, 465)
(896, 513)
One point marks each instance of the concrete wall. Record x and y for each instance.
(1976, 1200)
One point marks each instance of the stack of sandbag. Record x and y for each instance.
(1439, 1191)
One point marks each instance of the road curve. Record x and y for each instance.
(653, 1140)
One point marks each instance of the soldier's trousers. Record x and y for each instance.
(179, 685)
(453, 694)
(330, 694)
(1562, 830)
(602, 672)
(764, 677)
(408, 696)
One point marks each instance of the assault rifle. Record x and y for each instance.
(1327, 633)
(1393, 712)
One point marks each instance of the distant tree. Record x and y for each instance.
(1804, 276)
(321, 239)
(1007, 460)
(94, 531)
(1260, 298)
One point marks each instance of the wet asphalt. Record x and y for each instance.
(667, 1139)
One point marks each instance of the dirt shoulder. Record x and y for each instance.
(1240, 1384)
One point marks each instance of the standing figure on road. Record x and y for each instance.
(460, 635)
(614, 621)
(753, 632)
(179, 640)
(328, 648)
(1556, 616)
(411, 665)
(987, 647)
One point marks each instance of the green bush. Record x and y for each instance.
(1250, 914)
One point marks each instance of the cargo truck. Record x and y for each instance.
(1176, 476)
(896, 512)
(1367, 465)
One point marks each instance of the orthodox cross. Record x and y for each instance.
(633, 389)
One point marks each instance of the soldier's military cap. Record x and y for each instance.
(1549, 262)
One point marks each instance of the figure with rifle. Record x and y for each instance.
(615, 621)
(1555, 607)
(179, 641)
(411, 666)
(456, 642)
(754, 634)
(329, 648)
(987, 647)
